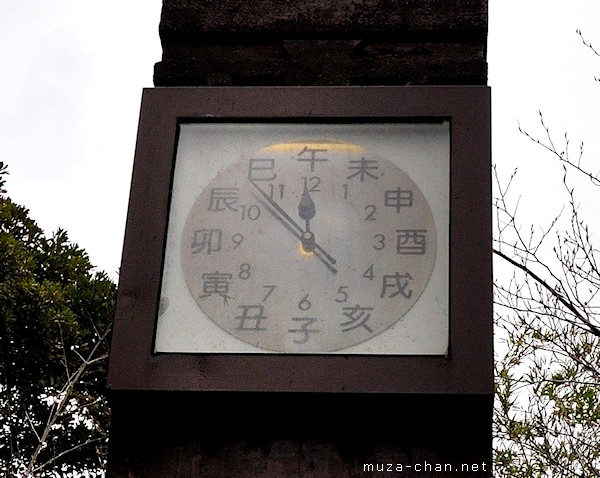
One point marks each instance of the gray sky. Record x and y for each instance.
(537, 62)
(73, 73)
(70, 89)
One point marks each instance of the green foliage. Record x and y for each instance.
(547, 414)
(55, 317)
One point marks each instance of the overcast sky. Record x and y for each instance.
(73, 73)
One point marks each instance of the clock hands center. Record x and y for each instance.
(305, 235)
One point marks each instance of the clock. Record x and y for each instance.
(314, 239)
(307, 238)
(308, 246)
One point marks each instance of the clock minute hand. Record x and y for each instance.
(295, 228)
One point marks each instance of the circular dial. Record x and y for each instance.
(308, 247)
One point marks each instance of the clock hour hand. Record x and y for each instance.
(307, 210)
(306, 237)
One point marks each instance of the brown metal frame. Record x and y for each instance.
(468, 369)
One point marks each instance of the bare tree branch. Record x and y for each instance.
(591, 327)
(589, 45)
(563, 155)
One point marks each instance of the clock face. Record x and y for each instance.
(308, 247)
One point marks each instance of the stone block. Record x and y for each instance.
(320, 42)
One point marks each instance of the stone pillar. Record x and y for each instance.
(322, 42)
(309, 435)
